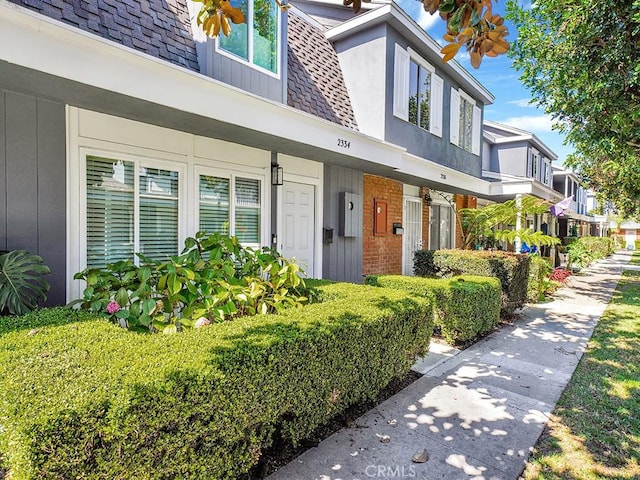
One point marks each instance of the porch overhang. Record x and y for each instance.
(44, 57)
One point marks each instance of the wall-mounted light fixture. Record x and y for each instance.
(277, 175)
(427, 199)
(397, 229)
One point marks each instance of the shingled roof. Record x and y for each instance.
(158, 27)
(315, 82)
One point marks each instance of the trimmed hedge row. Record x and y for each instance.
(539, 271)
(465, 307)
(511, 269)
(598, 247)
(83, 398)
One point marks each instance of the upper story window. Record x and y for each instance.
(257, 40)
(417, 92)
(465, 122)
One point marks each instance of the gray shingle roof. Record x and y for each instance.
(315, 81)
(158, 27)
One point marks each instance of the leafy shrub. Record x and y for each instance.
(539, 281)
(568, 240)
(599, 247)
(465, 307)
(86, 399)
(511, 269)
(22, 283)
(636, 245)
(585, 250)
(214, 279)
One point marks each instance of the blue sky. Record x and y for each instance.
(511, 105)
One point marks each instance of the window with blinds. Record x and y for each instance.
(214, 205)
(158, 212)
(113, 196)
(247, 203)
(240, 217)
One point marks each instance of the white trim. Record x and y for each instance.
(476, 128)
(436, 110)
(412, 199)
(401, 68)
(299, 170)
(34, 41)
(454, 117)
(395, 15)
(416, 57)
(189, 155)
(250, 46)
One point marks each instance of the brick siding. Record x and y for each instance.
(382, 253)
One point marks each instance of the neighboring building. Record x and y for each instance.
(519, 163)
(575, 221)
(125, 130)
(402, 93)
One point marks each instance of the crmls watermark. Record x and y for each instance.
(390, 471)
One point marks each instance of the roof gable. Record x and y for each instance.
(160, 28)
(314, 79)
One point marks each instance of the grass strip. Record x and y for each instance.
(594, 432)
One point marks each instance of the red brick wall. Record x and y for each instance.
(382, 253)
(425, 220)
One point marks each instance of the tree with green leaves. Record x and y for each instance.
(580, 60)
(499, 221)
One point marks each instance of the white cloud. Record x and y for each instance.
(426, 20)
(522, 102)
(535, 123)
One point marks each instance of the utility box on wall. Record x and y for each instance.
(350, 215)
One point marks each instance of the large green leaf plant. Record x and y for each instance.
(22, 283)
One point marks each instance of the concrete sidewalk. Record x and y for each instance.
(478, 412)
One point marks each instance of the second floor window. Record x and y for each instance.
(465, 122)
(255, 41)
(417, 91)
(419, 94)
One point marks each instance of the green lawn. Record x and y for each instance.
(594, 432)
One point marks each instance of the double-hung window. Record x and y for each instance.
(257, 40)
(231, 204)
(418, 91)
(465, 122)
(131, 206)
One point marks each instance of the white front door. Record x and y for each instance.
(412, 237)
(298, 221)
(630, 239)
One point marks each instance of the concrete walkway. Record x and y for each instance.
(477, 412)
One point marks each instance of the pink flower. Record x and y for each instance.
(113, 307)
(201, 322)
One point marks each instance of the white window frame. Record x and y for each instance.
(402, 60)
(454, 120)
(138, 161)
(440, 202)
(249, 61)
(231, 174)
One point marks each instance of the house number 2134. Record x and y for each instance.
(344, 143)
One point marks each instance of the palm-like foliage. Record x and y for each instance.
(22, 285)
(490, 221)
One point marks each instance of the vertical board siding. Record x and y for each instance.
(52, 193)
(22, 172)
(241, 75)
(342, 259)
(3, 176)
(33, 183)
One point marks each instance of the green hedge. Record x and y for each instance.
(511, 269)
(86, 399)
(465, 307)
(539, 271)
(598, 247)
